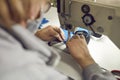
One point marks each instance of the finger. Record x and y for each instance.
(17, 10)
(60, 32)
(68, 44)
(58, 36)
(5, 18)
(75, 37)
(81, 36)
(70, 41)
(54, 34)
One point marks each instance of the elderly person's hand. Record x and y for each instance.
(49, 33)
(19, 11)
(79, 50)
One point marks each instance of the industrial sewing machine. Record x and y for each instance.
(100, 18)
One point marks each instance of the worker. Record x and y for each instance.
(25, 57)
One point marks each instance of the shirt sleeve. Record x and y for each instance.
(94, 72)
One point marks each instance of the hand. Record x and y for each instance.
(49, 33)
(18, 11)
(78, 49)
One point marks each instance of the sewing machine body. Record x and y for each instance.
(106, 17)
(103, 50)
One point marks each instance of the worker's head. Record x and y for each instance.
(19, 11)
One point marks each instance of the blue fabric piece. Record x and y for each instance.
(82, 29)
(66, 35)
(44, 21)
(72, 33)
